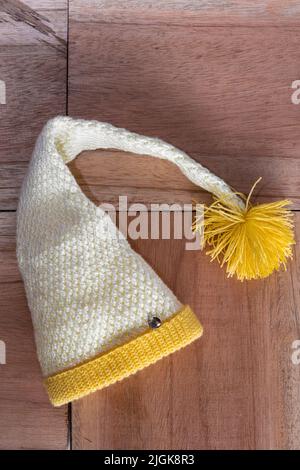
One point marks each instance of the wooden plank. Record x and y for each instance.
(239, 377)
(255, 13)
(34, 22)
(222, 94)
(176, 70)
(33, 67)
(235, 388)
(27, 420)
(184, 97)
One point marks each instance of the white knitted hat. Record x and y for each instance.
(100, 313)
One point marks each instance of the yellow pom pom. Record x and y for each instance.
(252, 241)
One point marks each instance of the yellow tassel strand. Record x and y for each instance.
(252, 241)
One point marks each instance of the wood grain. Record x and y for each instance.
(174, 93)
(105, 175)
(215, 80)
(256, 13)
(33, 66)
(222, 94)
(235, 388)
(34, 22)
(27, 420)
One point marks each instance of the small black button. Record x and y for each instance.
(154, 322)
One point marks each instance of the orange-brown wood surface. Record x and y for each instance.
(214, 80)
(221, 93)
(235, 388)
(33, 66)
(27, 420)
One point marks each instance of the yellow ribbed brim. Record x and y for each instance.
(122, 361)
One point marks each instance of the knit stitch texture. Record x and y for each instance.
(87, 290)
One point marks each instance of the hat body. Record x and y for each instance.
(91, 296)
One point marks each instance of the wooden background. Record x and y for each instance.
(213, 78)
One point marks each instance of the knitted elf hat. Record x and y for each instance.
(100, 312)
